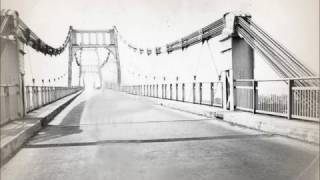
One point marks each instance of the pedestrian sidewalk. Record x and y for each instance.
(301, 130)
(16, 133)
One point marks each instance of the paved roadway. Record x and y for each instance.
(110, 135)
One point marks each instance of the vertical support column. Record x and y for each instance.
(177, 92)
(177, 89)
(147, 90)
(165, 91)
(80, 70)
(290, 85)
(157, 90)
(114, 41)
(211, 93)
(144, 90)
(12, 73)
(254, 96)
(194, 90)
(80, 75)
(153, 90)
(70, 58)
(242, 64)
(200, 92)
(21, 92)
(162, 91)
(227, 90)
(70, 65)
(183, 92)
(170, 91)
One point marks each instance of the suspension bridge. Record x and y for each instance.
(126, 120)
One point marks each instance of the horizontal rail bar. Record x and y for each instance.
(281, 79)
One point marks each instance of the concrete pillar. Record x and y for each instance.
(242, 60)
(11, 77)
(114, 41)
(70, 60)
(242, 66)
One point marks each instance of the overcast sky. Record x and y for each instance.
(149, 23)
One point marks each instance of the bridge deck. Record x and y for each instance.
(110, 135)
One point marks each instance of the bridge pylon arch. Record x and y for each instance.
(95, 39)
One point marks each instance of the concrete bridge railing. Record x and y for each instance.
(33, 97)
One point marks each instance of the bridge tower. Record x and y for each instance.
(11, 68)
(94, 39)
(242, 58)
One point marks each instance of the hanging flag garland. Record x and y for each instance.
(204, 34)
(158, 50)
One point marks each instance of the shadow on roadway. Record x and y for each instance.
(69, 125)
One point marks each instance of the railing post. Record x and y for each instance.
(200, 92)
(183, 91)
(157, 90)
(152, 90)
(194, 89)
(290, 84)
(211, 94)
(162, 92)
(194, 92)
(37, 96)
(164, 88)
(165, 91)
(42, 93)
(147, 90)
(177, 92)
(170, 91)
(177, 88)
(254, 96)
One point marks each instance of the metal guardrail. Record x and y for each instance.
(38, 96)
(280, 97)
(299, 102)
(204, 93)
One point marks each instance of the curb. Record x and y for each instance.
(35, 124)
(46, 120)
(303, 134)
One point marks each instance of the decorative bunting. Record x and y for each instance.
(158, 50)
